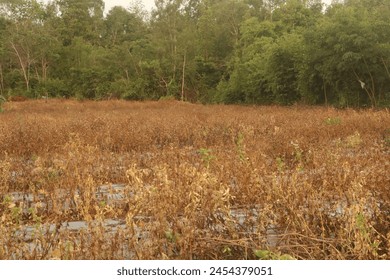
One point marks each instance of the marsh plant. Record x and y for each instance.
(148, 180)
(333, 121)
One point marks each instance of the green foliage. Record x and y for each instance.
(241, 147)
(167, 98)
(283, 69)
(345, 49)
(387, 137)
(280, 164)
(207, 156)
(354, 140)
(228, 51)
(333, 121)
(269, 255)
(171, 236)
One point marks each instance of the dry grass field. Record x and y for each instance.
(171, 180)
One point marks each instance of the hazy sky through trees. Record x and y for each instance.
(149, 4)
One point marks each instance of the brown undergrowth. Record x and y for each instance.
(171, 180)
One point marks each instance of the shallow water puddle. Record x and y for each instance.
(245, 218)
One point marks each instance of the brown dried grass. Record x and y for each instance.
(201, 182)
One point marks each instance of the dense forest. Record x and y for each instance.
(209, 51)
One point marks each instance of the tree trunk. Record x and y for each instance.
(183, 77)
(1, 80)
(45, 66)
(24, 65)
(387, 69)
(325, 95)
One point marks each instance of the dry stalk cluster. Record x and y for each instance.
(171, 180)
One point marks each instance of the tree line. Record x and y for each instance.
(210, 51)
